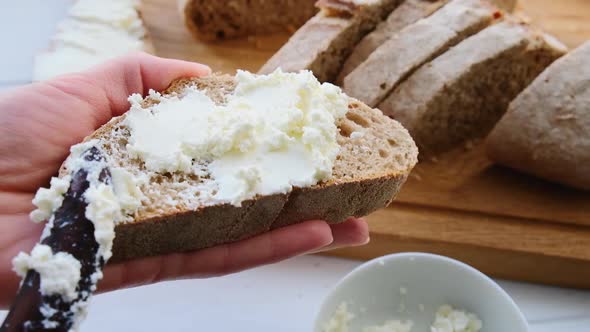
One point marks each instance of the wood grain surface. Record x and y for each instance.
(504, 223)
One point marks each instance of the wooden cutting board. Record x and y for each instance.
(504, 223)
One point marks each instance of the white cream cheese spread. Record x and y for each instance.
(94, 31)
(107, 204)
(450, 320)
(120, 14)
(273, 132)
(48, 200)
(340, 319)
(60, 272)
(48, 311)
(447, 319)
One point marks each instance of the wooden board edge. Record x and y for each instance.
(503, 264)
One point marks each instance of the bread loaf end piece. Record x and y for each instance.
(546, 130)
(462, 94)
(211, 20)
(325, 41)
(376, 155)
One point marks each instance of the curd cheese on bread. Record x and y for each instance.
(274, 132)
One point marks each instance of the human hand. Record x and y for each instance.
(39, 123)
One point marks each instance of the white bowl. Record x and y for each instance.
(374, 293)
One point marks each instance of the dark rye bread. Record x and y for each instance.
(409, 12)
(375, 158)
(326, 40)
(209, 20)
(461, 95)
(391, 63)
(546, 130)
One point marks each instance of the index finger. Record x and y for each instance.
(138, 73)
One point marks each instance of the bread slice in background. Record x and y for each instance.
(376, 155)
(463, 93)
(546, 130)
(416, 44)
(325, 41)
(210, 20)
(407, 13)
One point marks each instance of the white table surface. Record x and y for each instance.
(282, 297)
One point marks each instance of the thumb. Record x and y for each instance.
(107, 86)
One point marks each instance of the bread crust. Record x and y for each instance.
(315, 46)
(215, 225)
(325, 41)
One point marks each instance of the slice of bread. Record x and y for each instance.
(407, 13)
(210, 20)
(546, 130)
(416, 44)
(462, 94)
(375, 158)
(325, 41)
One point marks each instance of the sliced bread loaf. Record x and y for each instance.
(407, 13)
(546, 130)
(211, 20)
(462, 94)
(325, 41)
(415, 45)
(375, 157)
